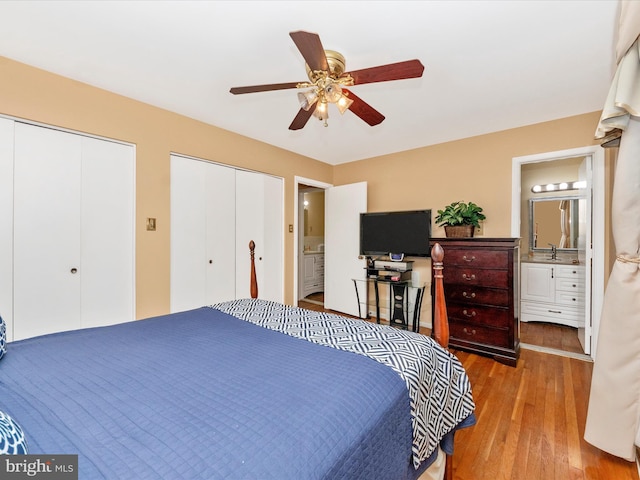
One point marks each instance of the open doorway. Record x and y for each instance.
(561, 288)
(311, 245)
(342, 262)
(304, 186)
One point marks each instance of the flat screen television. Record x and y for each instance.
(405, 232)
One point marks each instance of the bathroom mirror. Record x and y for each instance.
(554, 220)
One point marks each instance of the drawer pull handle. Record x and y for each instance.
(472, 332)
(466, 295)
(464, 257)
(469, 277)
(467, 314)
(574, 286)
(555, 311)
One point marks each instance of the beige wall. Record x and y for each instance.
(315, 217)
(474, 169)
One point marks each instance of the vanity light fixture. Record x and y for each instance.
(559, 187)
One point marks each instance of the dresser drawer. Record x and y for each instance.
(477, 258)
(476, 276)
(479, 315)
(570, 271)
(570, 298)
(473, 295)
(475, 333)
(570, 284)
(549, 312)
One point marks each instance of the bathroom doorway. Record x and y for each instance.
(549, 334)
(311, 239)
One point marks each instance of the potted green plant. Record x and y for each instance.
(460, 219)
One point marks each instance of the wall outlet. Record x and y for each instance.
(479, 231)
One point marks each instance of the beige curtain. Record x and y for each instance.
(613, 417)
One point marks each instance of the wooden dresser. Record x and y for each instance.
(481, 291)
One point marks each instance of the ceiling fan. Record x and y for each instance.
(328, 79)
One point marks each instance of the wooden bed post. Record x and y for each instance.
(440, 321)
(254, 280)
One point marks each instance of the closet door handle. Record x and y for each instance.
(74, 270)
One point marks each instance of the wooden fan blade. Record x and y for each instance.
(311, 49)
(363, 110)
(263, 88)
(302, 118)
(385, 73)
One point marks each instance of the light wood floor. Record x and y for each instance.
(530, 422)
(549, 335)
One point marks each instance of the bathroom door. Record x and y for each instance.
(585, 252)
(343, 206)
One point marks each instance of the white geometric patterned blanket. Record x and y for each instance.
(439, 389)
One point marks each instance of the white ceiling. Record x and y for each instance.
(489, 65)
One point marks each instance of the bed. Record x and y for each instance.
(246, 389)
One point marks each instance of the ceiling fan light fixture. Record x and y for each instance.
(343, 104)
(307, 99)
(322, 112)
(333, 92)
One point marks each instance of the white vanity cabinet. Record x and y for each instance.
(313, 273)
(552, 293)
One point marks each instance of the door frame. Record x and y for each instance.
(298, 227)
(596, 152)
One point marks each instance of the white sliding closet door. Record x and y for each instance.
(202, 233)
(259, 217)
(73, 231)
(108, 222)
(215, 212)
(47, 231)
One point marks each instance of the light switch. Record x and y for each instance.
(151, 224)
(290, 228)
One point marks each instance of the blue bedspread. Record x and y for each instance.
(204, 395)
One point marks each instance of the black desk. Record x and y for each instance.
(400, 307)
